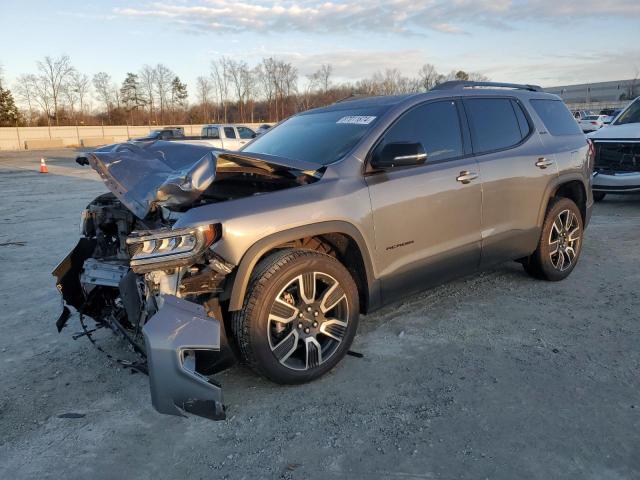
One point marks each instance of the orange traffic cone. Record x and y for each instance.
(43, 166)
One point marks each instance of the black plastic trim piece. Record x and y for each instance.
(461, 84)
(258, 249)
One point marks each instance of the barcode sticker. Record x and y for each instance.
(357, 120)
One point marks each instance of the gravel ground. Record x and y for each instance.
(493, 376)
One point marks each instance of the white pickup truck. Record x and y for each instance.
(617, 154)
(228, 137)
(225, 136)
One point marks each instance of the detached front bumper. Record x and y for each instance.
(173, 337)
(623, 182)
(177, 337)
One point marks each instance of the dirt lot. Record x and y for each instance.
(494, 376)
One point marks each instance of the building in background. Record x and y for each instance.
(614, 94)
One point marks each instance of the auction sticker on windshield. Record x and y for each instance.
(357, 119)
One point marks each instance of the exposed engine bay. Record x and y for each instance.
(160, 287)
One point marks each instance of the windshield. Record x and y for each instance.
(321, 137)
(630, 115)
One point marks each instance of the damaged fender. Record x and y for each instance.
(172, 337)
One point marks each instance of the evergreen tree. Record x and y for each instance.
(131, 92)
(9, 114)
(178, 93)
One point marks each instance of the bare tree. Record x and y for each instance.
(81, 85)
(233, 70)
(204, 88)
(268, 81)
(250, 85)
(307, 91)
(147, 82)
(25, 92)
(286, 82)
(71, 99)
(428, 77)
(322, 77)
(54, 72)
(40, 93)
(241, 78)
(163, 78)
(104, 89)
(478, 77)
(220, 75)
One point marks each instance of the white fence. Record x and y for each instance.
(14, 138)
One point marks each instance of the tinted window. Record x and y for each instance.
(212, 132)
(556, 117)
(493, 123)
(522, 119)
(245, 132)
(321, 137)
(435, 125)
(630, 115)
(229, 132)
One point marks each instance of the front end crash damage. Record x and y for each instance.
(162, 288)
(173, 338)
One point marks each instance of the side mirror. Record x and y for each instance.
(254, 135)
(398, 155)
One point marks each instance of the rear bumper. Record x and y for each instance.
(173, 337)
(625, 182)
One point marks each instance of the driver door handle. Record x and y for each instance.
(466, 176)
(543, 163)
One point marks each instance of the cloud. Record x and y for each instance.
(557, 70)
(415, 17)
(358, 64)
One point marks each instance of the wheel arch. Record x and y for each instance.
(328, 232)
(568, 186)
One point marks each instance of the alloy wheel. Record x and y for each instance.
(308, 321)
(564, 240)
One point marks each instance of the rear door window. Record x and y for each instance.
(436, 125)
(556, 117)
(229, 132)
(493, 123)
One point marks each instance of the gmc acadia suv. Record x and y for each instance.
(270, 254)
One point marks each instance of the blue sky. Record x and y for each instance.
(537, 41)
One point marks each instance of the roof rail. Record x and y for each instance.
(461, 84)
(352, 96)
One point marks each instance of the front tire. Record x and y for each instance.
(299, 316)
(560, 242)
(598, 196)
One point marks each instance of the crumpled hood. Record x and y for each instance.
(626, 131)
(143, 174)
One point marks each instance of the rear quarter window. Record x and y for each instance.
(556, 117)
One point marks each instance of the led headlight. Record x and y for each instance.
(150, 250)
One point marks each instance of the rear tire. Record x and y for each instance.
(299, 316)
(598, 196)
(560, 242)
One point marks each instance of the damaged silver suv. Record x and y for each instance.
(201, 257)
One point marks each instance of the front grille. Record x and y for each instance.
(616, 156)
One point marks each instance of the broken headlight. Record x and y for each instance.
(155, 249)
